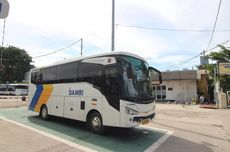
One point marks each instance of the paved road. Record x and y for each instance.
(14, 138)
(195, 129)
(11, 101)
(115, 139)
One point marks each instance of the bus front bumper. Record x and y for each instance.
(135, 120)
(143, 119)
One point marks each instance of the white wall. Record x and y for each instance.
(182, 90)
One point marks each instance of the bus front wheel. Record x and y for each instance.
(44, 112)
(95, 123)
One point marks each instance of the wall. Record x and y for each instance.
(182, 90)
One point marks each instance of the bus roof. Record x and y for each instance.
(92, 56)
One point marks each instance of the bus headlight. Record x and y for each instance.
(131, 111)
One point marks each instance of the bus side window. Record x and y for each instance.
(39, 79)
(111, 87)
(67, 72)
(33, 78)
(36, 78)
(90, 72)
(111, 80)
(49, 75)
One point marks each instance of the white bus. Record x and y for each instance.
(14, 89)
(19, 89)
(111, 89)
(3, 89)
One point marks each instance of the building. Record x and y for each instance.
(181, 86)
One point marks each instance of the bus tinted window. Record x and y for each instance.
(67, 72)
(87, 70)
(36, 78)
(111, 71)
(21, 87)
(3, 88)
(49, 74)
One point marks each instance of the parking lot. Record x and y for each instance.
(177, 128)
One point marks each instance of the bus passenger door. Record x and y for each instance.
(73, 108)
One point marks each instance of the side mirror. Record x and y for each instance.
(155, 75)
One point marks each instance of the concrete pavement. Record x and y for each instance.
(15, 138)
(115, 139)
(195, 129)
(11, 101)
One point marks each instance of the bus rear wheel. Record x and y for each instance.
(95, 123)
(44, 112)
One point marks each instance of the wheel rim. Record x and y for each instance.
(96, 122)
(44, 112)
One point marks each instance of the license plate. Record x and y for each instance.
(145, 121)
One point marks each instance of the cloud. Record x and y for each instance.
(42, 26)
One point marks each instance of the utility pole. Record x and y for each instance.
(113, 26)
(216, 87)
(4, 11)
(3, 37)
(81, 46)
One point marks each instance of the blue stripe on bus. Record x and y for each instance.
(36, 96)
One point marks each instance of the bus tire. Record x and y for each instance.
(44, 112)
(96, 123)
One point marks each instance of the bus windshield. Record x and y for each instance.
(136, 81)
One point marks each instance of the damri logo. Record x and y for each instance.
(76, 92)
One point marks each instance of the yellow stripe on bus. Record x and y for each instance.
(43, 99)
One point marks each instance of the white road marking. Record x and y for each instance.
(67, 142)
(152, 148)
(161, 140)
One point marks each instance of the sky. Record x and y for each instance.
(44, 26)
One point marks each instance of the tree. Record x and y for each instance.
(16, 63)
(222, 56)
